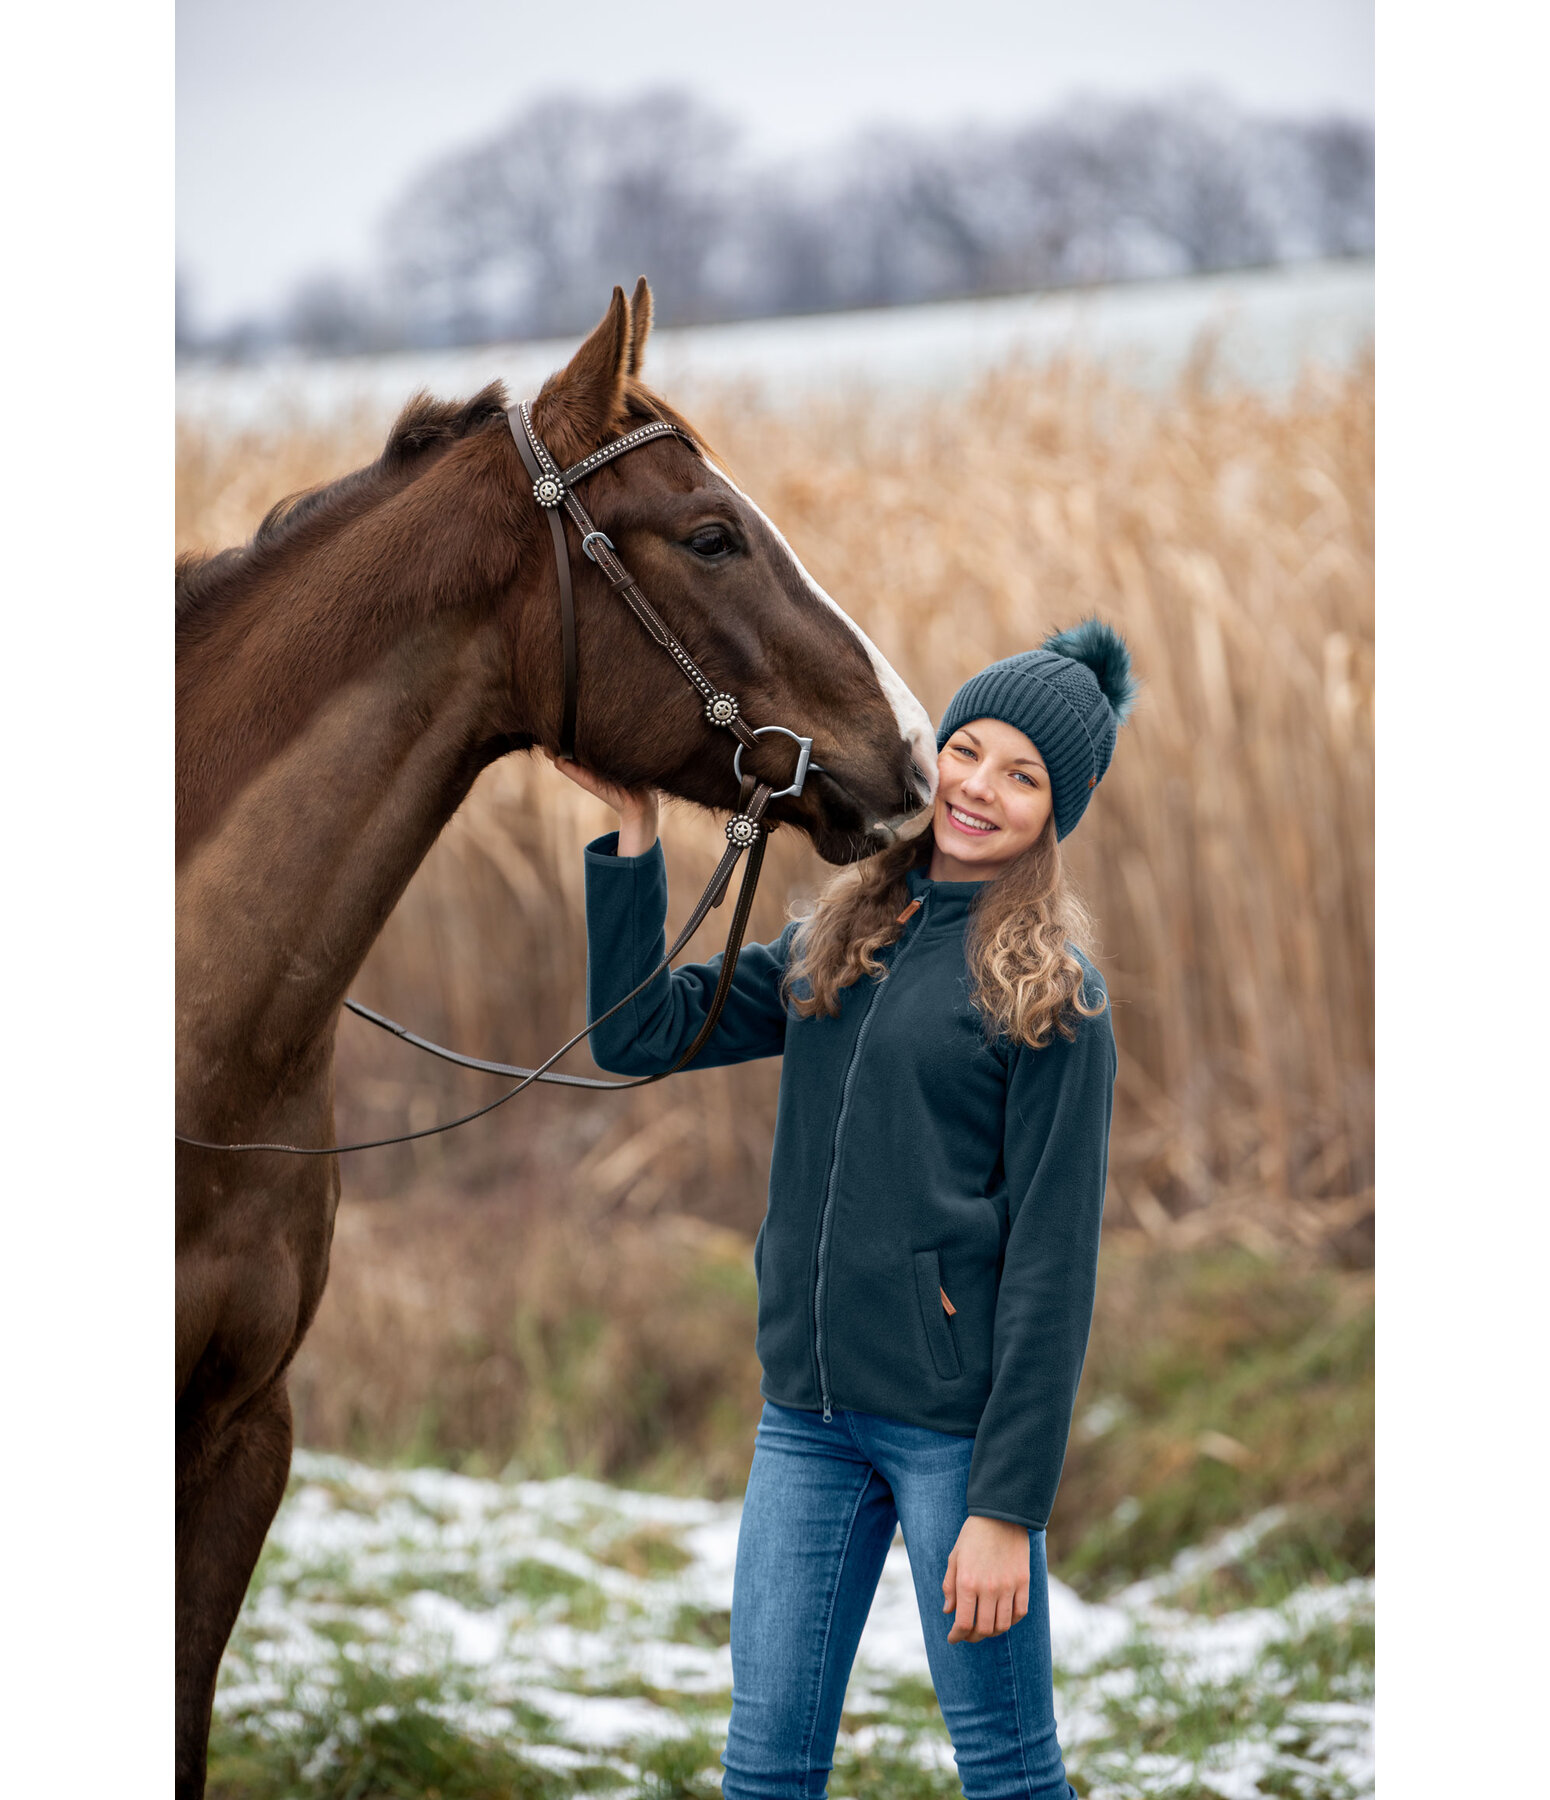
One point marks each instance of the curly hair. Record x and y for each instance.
(1025, 925)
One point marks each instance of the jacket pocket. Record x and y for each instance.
(939, 1333)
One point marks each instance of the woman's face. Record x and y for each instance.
(992, 799)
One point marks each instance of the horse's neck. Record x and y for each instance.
(283, 895)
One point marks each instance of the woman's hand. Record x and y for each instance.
(636, 807)
(987, 1580)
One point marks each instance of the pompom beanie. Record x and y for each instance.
(1070, 696)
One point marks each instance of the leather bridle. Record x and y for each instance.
(554, 490)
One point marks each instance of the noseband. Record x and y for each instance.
(554, 490)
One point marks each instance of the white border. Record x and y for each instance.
(1464, 1253)
(85, 712)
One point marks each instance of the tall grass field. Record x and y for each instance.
(564, 1291)
(1228, 855)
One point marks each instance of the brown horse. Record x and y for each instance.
(341, 680)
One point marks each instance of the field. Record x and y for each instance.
(1265, 325)
(421, 1633)
(565, 1290)
(1229, 860)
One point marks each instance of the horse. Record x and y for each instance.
(342, 680)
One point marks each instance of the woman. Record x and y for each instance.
(927, 1260)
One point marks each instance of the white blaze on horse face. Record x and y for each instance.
(914, 721)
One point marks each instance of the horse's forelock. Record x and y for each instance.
(426, 422)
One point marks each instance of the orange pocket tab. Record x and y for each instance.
(947, 1305)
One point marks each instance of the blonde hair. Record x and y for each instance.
(1024, 926)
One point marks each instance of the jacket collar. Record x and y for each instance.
(949, 899)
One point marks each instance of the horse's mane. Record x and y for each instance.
(205, 581)
(208, 583)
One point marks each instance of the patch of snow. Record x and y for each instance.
(395, 1557)
(600, 1722)
(1266, 324)
(1189, 1565)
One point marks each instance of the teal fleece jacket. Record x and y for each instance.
(930, 1246)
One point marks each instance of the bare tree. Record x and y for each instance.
(514, 236)
(332, 316)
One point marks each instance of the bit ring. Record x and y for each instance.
(804, 756)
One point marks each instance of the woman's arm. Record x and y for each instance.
(1056, 1150)
(626, 913)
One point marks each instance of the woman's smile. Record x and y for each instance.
(972, 822)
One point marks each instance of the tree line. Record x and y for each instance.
(520, 234)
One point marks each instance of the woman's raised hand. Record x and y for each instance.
(636, 807)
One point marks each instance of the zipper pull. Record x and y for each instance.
(828, 1417)
(908, 913)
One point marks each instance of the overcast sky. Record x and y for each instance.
(299, 121)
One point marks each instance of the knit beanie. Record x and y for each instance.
(1070, 696)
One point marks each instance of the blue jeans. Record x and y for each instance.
(819, 1516)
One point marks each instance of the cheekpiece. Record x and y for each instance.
(548, 490)
(741, 830)
(721, 709)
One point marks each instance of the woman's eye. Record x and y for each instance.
(711, 541)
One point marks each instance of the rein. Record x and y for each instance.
(747, 829)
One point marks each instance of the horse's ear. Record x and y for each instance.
(585, 400)
(640, 324)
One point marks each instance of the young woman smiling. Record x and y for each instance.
(928, 1256)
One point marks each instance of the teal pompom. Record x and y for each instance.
(1104, 651)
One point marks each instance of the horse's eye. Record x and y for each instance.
(710, 542)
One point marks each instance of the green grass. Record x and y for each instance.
(680, 1768)
(889, 1772)
(368, 1735)
(648, 1550)
(893, 1733)
(708, 1626)
(1164, 1729)
(1218, 1385)
(340, 1686)
(1307, 1550)
(363, 1734)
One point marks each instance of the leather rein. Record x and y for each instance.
(554, 490)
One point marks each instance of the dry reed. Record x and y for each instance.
(1228, 856)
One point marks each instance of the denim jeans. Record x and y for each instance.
(822, 1504)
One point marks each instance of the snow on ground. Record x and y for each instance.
(1269, 323)
(576, 1623)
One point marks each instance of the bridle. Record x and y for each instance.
(554, 490)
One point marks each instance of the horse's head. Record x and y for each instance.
(732, 590)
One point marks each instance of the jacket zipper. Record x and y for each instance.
(834, 1167)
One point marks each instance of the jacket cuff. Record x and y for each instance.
(989, 1512)
(605, 849)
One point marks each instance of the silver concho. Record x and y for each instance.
(721, 709)
(548, 490)
(741, 829)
